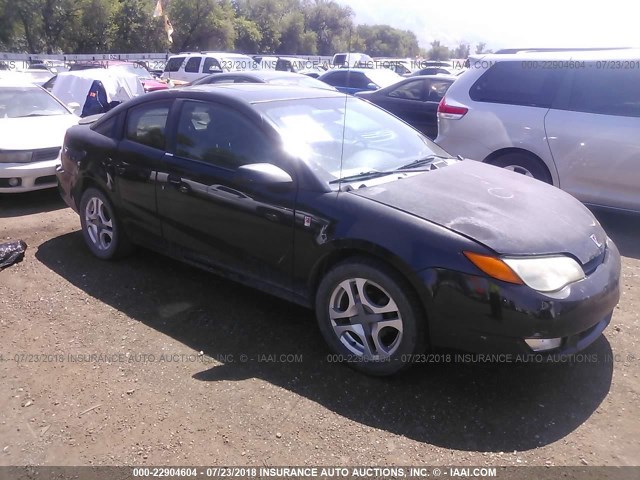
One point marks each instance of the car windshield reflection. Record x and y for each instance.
(346, 136)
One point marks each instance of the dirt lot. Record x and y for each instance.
(189, 369)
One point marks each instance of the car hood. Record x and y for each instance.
(506, 211)
(34, 132)
(152, 85)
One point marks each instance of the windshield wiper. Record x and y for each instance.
(421, 162)
(361, 176)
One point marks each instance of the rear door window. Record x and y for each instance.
(193, 65)
(518, 83)
(414, 90)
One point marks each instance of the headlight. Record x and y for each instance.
(546, 274)
(15, 156)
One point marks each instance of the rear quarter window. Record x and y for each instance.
(106, 127)
(515, 83)
(606, 91)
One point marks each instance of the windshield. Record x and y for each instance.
(312, 129)
(17, 102)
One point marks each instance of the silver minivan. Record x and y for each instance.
(569, 118)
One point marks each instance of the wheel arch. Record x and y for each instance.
(366, 250)
(553, 173)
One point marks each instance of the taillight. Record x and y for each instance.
(450, 112)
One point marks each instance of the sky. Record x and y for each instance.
(508, 24)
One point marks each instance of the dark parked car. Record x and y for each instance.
(352, 80)
(272, 77)
(397, 246)
(415, 100)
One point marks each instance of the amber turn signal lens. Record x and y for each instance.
(494, 267)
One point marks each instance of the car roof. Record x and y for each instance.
(357, 70)
(432, 77)
(582, 55)
(263, 74)
(259, 92)
(211, 54)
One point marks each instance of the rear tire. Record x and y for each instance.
(370, 317)
(101, 229)
(525, 164)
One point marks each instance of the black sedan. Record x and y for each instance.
(415, 100)
(273, 77)
(330, 202)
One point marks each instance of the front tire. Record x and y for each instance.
(101, 229)
(370, 317)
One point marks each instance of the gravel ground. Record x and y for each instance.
(147, 361)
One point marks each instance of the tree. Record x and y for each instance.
(386, 41)
(332, 24)
(135, 29)
(268, 15)
(438, 52)
(462, 51)
(203, 25)
(248, 35)
(95, 30)
(480, 47)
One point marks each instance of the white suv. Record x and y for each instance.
(567, 118)
(187, 67)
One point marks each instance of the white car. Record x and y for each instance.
(33, 124)
(94, 88)
(568, 118)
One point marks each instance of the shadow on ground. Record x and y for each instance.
(20, 204)
(479, 407)
(624, 230)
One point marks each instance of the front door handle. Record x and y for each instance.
(178, 183)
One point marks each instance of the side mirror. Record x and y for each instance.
(372, 86)
(73, 106)
(263, 174)
(215, 69)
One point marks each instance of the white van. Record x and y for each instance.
(187, 67)
(352, 60)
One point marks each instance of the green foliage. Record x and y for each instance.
(386, 41)
(202, 25)
(248, 35)
(312, 27)
(135, 29)
(461, 51)
(333, 25)
(438, 52)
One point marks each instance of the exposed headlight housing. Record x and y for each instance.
(15, 156)
(546, 274)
